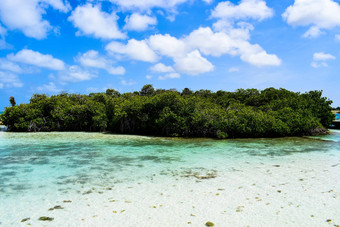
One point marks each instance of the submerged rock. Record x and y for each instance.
(56, 208)
(25, 219)
(45, 218)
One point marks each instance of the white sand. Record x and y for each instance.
(283, 191)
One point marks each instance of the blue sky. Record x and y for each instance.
(83, 46)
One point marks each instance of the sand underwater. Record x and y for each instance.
(95, 179)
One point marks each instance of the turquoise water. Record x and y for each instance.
(337, 116)
(40, 169)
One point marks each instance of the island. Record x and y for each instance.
(245, 113)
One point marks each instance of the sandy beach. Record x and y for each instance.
(301, 189)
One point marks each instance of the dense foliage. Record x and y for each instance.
(244, 113)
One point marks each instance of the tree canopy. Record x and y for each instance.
(244, 113)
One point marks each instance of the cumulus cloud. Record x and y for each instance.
(92, 59)
(48, 88)
(75, 73)
(8, 80)
(161, 68)
(318, 14)
(246, 9)
(10, 66)
(210, 43)
(318, 64)
(90, 20)
(320, 58)
(26, 15)
(186, 51)
(137, 50)
(255, 55)
(145, 5)
(220, 43)
(168, 46)
(193, 64)
(170, 76)
(35, 58)
(138, 22)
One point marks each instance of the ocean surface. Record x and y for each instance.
(96, 179)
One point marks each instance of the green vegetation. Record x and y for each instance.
(244, 113)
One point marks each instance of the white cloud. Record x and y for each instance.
(145, 5)
(92, 59)
(170, 76)
(128, 83)
(3, 32)
(255, 55)
(318, 64)
(233, 69)
(149, 77)
(48, 88)
(337, 37)
(161, 68)
(312, 32)
(208, 1)
(220, 43)
(90, 20)
(168, 45)
(62, 6)
(75, 74)
(193, 64)
(35, 58)
(232, 41)
(9, 80)
(247, 9)
(210, 43)
(4, 45)
(319, 14)
(137, 50)
(10, 66)
(26, 15)
(138, 22)
(240, 32)
(320, 56)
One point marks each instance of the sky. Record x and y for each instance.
(84, 46)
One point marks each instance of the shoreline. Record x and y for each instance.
(315, 132)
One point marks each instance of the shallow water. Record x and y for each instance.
(337, 116)
(41, 170)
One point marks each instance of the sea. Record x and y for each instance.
(102, 179)
(337, 116)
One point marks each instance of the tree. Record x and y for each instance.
(186, 91)
(147, 90)
(244, 113)
(12, 101)
(112, 93)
